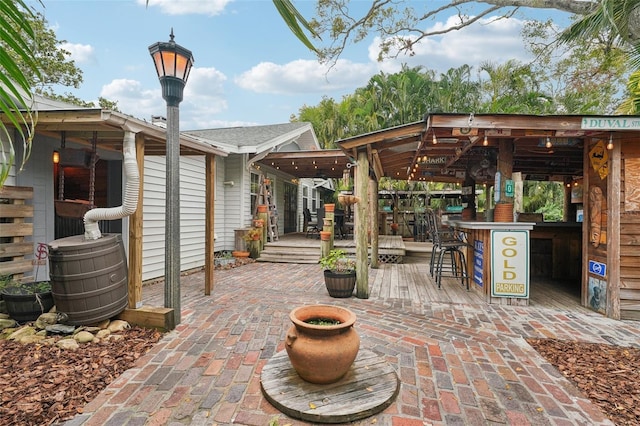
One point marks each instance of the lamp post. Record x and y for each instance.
(173, 64)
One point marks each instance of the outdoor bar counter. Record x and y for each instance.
(498, 259)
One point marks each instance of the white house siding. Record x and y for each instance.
(192, 214)
(218, 206)
(192, 211)
(153, 211)
(236, 201)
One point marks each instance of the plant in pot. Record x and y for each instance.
(252, 238)
(339, 273)
(224, 258)
(26, 301)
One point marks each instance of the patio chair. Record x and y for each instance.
(311, 227)
(447, 257)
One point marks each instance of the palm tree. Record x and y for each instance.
(16, 34)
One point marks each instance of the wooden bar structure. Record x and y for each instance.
(595, 156)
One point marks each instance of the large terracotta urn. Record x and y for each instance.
(322, 353)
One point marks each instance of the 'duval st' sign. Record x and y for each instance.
(510, 263)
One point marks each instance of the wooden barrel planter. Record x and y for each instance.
(340, 284)
(89, 277)
(503, 213)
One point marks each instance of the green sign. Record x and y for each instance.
(508, 188)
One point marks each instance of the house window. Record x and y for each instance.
(305, 197)
(255, 190)
(314, 197)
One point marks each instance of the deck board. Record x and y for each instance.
(411, 281)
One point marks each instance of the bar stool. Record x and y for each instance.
(447, 257)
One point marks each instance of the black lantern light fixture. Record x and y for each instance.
(173, 64)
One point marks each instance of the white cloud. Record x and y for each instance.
(186, 7)
(132, 99)
(204, 99)
(80, 53)
(304, 76)
(486, 40)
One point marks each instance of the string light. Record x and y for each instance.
(486, 141)
(610, 144)
(548, 144)
(434, 140)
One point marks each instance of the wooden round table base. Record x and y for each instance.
(370, 386)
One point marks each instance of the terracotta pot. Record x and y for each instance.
(325, 235)
(329, 207)
(238, 253)
(322, 353)
(503, 213)
(263, 208)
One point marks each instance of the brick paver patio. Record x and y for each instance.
(459, 364)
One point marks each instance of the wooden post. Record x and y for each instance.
(135, 236)
(209, 224)
(613, 231)
(325, 244)
(362, 219)
(329, 216)
(505, 166)
(373, 215)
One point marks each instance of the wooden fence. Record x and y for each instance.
(16, 224)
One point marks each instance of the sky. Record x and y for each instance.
(249, 68)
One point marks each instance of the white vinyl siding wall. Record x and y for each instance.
(192, 215)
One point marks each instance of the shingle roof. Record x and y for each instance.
(258, 138)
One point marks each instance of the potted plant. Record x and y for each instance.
(339, 273)
(252, 238)
(224, 258)
(26, 301)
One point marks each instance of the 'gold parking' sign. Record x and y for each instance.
(510, 264)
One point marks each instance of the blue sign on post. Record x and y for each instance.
(478, 263)
(597, 268)
(508, 188)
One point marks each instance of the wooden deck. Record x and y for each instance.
(410, 280)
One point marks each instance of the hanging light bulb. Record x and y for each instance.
(610, 144)
(548, 144)
(434, 140)
(486, 141)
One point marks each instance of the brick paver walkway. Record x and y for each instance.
(458, 364)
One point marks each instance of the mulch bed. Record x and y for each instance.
(608, 375)
(43, 384)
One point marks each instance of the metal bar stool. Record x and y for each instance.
(447, 257)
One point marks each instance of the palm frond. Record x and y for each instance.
(293, 18)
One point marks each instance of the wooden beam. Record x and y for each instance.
(404, 131)
(209, 241)
(613, 231)
(135, 235)
(362, 219)
(373, 220)
(150, 317)
(461, 152)
(377, 165)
